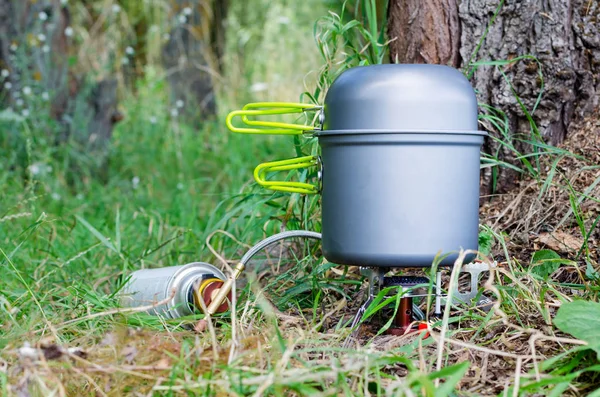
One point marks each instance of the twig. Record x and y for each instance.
(517, 377)
(232, 306)
(437, 338)
(211, 328)
(539, 336)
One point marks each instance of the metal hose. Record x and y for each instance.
(226, 287)
(279, 236)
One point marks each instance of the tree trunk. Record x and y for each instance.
(564, 36)
(424, 31)
(192, 57)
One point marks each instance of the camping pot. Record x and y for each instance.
(399, 164)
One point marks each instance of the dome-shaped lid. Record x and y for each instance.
(400, 98)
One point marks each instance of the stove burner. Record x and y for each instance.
(404, 316)
(408, 312)
(404, 281)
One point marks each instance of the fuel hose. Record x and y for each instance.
(239, 268)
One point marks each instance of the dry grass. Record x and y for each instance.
(537, 208)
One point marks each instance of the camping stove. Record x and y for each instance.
(409, 317)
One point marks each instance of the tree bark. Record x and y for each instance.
(564, 36)
(192, 56)
(424, 31)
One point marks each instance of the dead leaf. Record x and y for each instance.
(163, 363)
(560, 241)
(52, 352)
(129, 352)
(109, 339)
(200, 326)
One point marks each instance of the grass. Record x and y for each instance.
(177, 193)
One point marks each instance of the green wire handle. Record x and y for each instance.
(270, 127)
(261, 171)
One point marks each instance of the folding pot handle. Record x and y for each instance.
(261, 171)
(270, 127)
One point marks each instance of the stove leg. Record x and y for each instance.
(475, 269)
(375, 277)
(438, 294)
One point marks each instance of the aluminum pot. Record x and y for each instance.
(399, 164)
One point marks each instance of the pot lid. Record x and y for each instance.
(397, 97)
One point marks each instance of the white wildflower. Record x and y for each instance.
(80, 196)
(40, 169)
(4, 73)
(25, 112)
(182, 19)
(43, 16)
(69, 31)
(46, 49)
(180, 186)
(135, 182)
(187, 11)
(28, 352)
(27, 90)
(19, 102)
(116, 8)
(35, 169)
(55, 196)
(179, 103)
(13, 47)
(125, 61)
(166, 37)
(64, 2)
(129, 51)
(283, 20)
(153, 29)
(174, 112)
(45, 96)
(257, 87)
(8, 85)
(41, 37)
(153, 120)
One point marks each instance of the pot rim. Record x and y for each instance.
(402, 132)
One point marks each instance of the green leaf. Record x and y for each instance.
(453, 374)
(105, 241)
(559, 389)
(595, 393)
(582, 320)
(486, 241)
(546, 262)
(590, 272)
